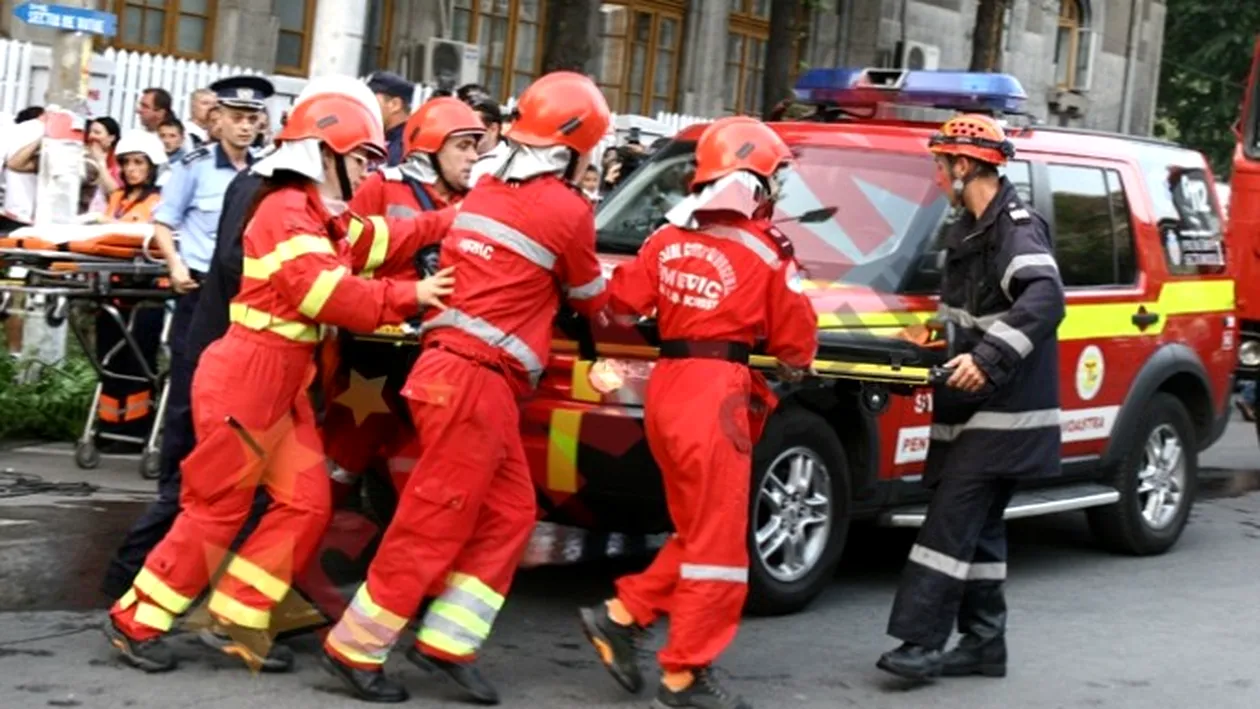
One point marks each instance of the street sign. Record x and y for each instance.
(70, 19)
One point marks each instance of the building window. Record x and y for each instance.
(1073, 48)
(746, 55)
(184, 28)
(639, 67)
(376, 39)
(509, 33)
(293, 48)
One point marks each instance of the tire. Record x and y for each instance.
(1123, 527)
(86, 456)
(804, 435)
(151, 464)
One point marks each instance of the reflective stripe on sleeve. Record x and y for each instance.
(937, 561)
(380, 246)
(1015, 339)
(706, 572)
(1025, 261)
(320, 291)
(998, 421)
(491, 335)
(262, 321)
(587, 291)
(506, 236)
(263, 267)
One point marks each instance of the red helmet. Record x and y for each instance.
(436, 120)
(339, 121)
(561, 108)
(975, 136)
(738, 143)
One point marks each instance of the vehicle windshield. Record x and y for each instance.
(888, 207)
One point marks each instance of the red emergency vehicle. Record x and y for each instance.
(1244, 225)
(1146, 346)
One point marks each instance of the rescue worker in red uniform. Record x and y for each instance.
(366, 420)
(522, 240)
(994, 422)
(254, 422)
(720, 279)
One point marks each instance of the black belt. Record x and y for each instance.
(737, 352)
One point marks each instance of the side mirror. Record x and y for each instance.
(815, 216)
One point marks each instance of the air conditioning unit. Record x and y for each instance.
(447, 64)
(918, 55)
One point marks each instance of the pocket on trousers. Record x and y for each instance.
(439, 508)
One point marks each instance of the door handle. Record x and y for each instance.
(1144, 319)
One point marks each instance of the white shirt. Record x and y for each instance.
(19, 187)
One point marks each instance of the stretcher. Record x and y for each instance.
(72, 273)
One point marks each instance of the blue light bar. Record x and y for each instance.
(866, 88)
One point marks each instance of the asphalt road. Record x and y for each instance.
(1088, 629)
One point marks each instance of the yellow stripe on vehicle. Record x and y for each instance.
(1087, 321)
(562, 448)
(580, 389)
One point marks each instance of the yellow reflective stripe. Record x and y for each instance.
(263, 267)
(261, 321)
(353, 654)
(380, 246)
(562, 450)
(155, 588)
(473, 585)
(441, 641)
(461, 616)
(154, 617)
(234, 611)
(255, 576)
(321, 290)
(354, 231)
(127, 599)
(375, 613)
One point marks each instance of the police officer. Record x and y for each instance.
(192, 200)
(996, 419)
(395, 95)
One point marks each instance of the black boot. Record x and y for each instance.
(703, 693)
(149, 655)
(617, 645)
(254, 648)
(466, 675)
(982, 621)
(370, 686)
(912, 662)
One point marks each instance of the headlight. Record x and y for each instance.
(1249, 353)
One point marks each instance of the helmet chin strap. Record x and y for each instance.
(343, 177)
(441, 175)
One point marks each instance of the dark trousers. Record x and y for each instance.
(957, 565)
(127, 406)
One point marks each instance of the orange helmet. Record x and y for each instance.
(436, 120)
(339, 121)
(561, 108)
(975, 136)
(738, 143)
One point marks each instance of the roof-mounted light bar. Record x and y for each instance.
(868, 88)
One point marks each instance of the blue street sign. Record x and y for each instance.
(70, 19)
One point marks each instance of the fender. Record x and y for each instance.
(1169, 360)
(829, 402)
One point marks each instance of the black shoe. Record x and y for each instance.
(253, 647)
(148, 655)
(617, 645)
(704, 693)
(466, 675)
(973, 656)
(370, 686)
(912, 662)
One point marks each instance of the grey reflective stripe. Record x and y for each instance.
(937, 561)
(1017, 340)
(504, 235)
(998, 421)
(341, 475)
(752, 243)
(490, 335)
(1025, 261)
(452, 630)
(588, 290)
(470, 603)
(966, 319)
(400, 211)
(988, 571)
(704, 572)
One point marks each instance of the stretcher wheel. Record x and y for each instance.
(150, 464)
(86, 456)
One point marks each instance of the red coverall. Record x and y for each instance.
(254, 421)
(726, 283)
(469, 506)
(352, 439)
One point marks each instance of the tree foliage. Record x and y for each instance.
(1207, 54)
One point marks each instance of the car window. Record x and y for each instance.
(887, 207)
(1187, 214)
(1093, 239)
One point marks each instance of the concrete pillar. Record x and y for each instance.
(245, 34)
(337, 40)
(704, 74)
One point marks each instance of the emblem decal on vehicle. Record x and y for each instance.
(1089, 372)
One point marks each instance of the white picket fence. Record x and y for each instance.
(119, 77)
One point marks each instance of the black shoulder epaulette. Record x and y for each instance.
(195, 155)
(784, 244)
(1018, 213)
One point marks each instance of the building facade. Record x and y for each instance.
(1089, 63)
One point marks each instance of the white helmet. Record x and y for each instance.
(143, 142)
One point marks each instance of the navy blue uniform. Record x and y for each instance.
(1002, 289)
